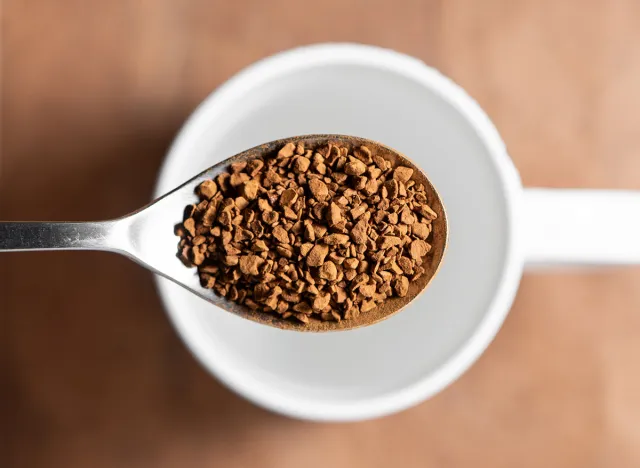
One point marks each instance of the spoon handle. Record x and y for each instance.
(19, 237)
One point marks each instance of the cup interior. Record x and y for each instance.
(400, 102)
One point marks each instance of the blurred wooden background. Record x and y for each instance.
(91, 372)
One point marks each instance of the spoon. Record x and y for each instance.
(147, 236)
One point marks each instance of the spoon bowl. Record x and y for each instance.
(147, 236)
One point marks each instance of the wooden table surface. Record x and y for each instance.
(91, 372)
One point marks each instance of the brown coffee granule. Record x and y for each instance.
(329, 232)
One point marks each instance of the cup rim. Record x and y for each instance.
(342, 53)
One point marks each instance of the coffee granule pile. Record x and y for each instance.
(329, 232)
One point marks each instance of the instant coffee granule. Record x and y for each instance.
(327, 231)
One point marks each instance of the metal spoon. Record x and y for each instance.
(147, 236)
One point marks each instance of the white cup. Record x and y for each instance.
(495, 228)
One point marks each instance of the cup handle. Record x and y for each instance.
(581, 227)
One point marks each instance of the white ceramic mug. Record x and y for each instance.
(496, 227)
